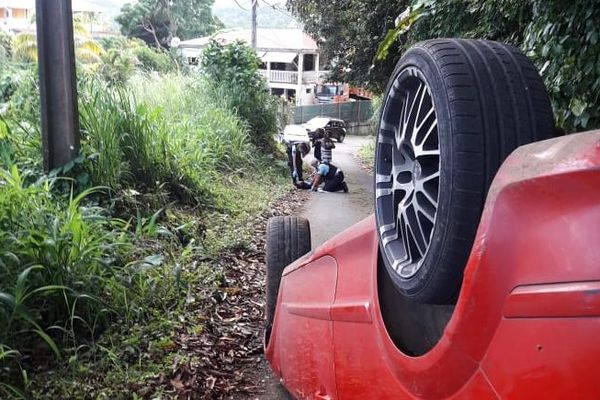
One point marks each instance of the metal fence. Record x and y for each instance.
(350, 111)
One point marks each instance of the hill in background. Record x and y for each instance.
(267, 17)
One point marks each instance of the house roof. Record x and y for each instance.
(278, 40)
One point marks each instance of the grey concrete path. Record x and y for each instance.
(331, 213)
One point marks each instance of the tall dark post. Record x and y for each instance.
(253, 23)
(58, 92)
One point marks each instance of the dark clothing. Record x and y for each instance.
(332, 171)
(332, 176)
(317, 146)
(289, 150)
(334, 183)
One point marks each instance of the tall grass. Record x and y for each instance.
(161, 133)
(205, 134)
(56, 262)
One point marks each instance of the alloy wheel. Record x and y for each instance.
(407, 173)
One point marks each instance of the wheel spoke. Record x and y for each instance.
(428, 133)
(420, 152)
(383, 178)
(412, 221)
(416, 125)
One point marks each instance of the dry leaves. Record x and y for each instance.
(224, 359)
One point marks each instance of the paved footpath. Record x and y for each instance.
(329, 214)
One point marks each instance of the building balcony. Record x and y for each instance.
(308, 77)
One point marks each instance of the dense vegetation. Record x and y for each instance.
(98, 258)
(562, 38)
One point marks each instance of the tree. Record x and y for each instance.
(348, 33)
(87, 50)
(158, 21)
(232, 70)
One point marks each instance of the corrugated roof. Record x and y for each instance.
(266, 38)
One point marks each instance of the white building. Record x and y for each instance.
(290, 59)
(18, 15)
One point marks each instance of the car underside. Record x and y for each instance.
(478, 277)
(526, 322)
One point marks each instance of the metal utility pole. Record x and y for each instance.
(58, 82)
(254, 6)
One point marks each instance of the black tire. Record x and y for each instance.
(288, 238)
(473, 102)
(341, 137)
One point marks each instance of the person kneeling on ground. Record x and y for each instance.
(331, 175)
(295, 153)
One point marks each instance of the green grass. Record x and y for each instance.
(98, 259)
(367, 153)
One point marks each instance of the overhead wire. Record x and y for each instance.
(281, 11)
(240, 6)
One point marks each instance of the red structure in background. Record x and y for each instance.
(527, 320)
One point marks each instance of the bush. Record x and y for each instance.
(152, 60)
(117, 66)
(5, 45)
(237, 85)
(59, 274)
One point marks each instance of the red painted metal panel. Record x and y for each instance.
(535, 255)
(303, 331)
(545, 358)
(573, 299)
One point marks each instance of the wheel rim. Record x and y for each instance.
(407, 173)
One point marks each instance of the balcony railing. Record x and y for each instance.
(291, 76)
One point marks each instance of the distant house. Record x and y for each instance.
(18, 15)
(290, 59)
(15, 15)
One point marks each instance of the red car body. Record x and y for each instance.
(527, 321)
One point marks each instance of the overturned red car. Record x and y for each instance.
(478, 277)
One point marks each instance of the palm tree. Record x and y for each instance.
(87, 50)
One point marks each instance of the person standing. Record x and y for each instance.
(326, 149)
(323, 145)
(296, 152)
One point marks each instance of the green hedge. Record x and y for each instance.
(561, 37)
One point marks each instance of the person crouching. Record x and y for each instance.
(330, 175)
